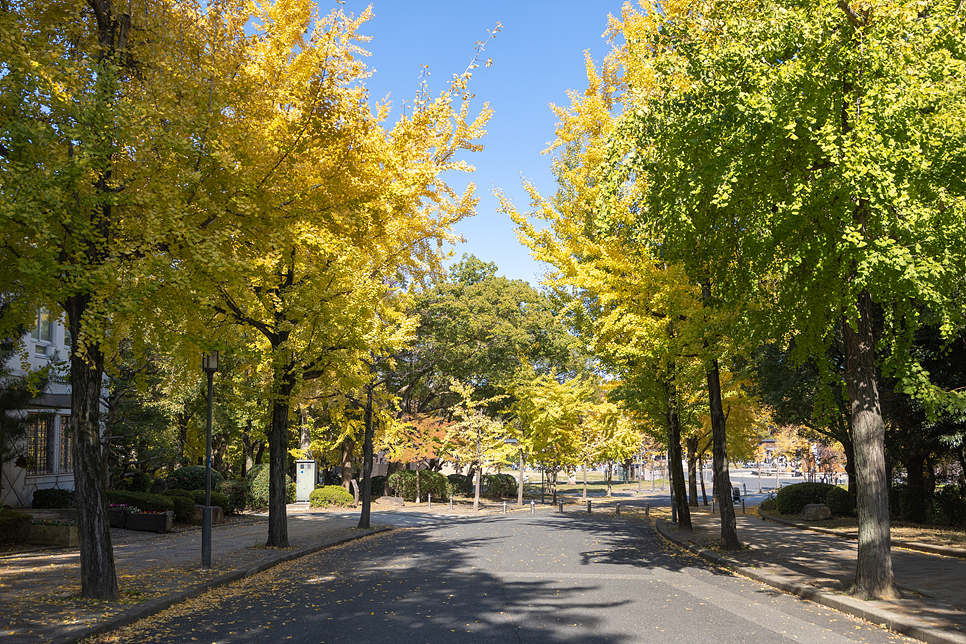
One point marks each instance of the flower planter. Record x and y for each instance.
(217, 515)
(53, 535)
(148, 522)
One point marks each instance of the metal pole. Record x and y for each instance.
(588, 506)
(429, 500)
(206, 511)
(618, 507)
(520, 487)
(532, 504)
(504, 507)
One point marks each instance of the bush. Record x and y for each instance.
(184, 504)
(141, 500)
(792, 499)
(499, 486)
(257, 482)
(192, 477)
(14, 526)
(768, 505)
(137, 482)
(235, 490)
(840, 501)
(403, 483)
(53, 498)
(331, 496)
(461, 484)
(217, 498)
(378, 486)
(949, 506)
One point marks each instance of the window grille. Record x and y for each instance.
(66, 462)
(41, 444)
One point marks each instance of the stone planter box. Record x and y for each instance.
(116, 517)
(53, 535)
(147, 522)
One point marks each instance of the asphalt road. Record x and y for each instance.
(543, 578)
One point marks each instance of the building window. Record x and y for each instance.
(40, 447)
(66, 462)
(43, 331)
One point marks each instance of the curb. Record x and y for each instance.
(854, 607)
(946, 551)
(155, 606)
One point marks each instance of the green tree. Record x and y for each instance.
(807, 159)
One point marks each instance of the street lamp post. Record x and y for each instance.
(209, 364)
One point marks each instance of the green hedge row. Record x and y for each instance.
(403, 483)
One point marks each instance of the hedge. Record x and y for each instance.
(840, 501)
(184, 504)
(791, 499)
(236, 492)
(192, 477)
(14, 525)
(499, 486)
(257, 483)
(377, 484)
(217, 498)
(461, 484)
(403, 483)
(331, 496)
(141, 500)
(53, 498)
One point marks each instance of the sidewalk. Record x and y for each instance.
(821, 567)
(39, 588)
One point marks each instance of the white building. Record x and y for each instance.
(48, 440)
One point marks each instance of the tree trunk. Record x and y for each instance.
(247, 449)
(610, 475)
(704, 492)
(278, 461)
(476, 490)
(873, 567)
(719, 461)
(98, 574)
(367, 451)
(674, 463)
(585, 480)
(849, 448)
(305, 440)
(348, 445)
(692, 443)
(260, 452)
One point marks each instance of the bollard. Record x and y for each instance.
(588, 506)
(561, 507)
(429, 500)
(450, 504)
(712, 505)
(742, 506)
(647, 509)
(504, 507)
(532, 505)
(618, 508)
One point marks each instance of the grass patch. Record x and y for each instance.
(903, 530)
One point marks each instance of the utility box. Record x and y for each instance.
(305, 475)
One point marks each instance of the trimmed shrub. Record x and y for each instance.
(378, 486)
(53, 498)
(141, 500)
(14, 526)
(949, 506)
(217, 498)
(791, 499)
(840, 502)
(768, 505)
(461, 484)
(403, 483)
(184, 504)
(331, 496)
(257, 482)
(192, 477)
(498, 486)
(235, 490)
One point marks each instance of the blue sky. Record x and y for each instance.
(537, 56)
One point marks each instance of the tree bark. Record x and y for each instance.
(348, 445)
(873, 568)
(674, 458)
(719, 461)
(98, 574)
(278, 461)
(704, 492)
(367, 452)
(692, 443)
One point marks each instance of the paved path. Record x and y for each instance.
(533, 579)
(38, 589)
(934, 586)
